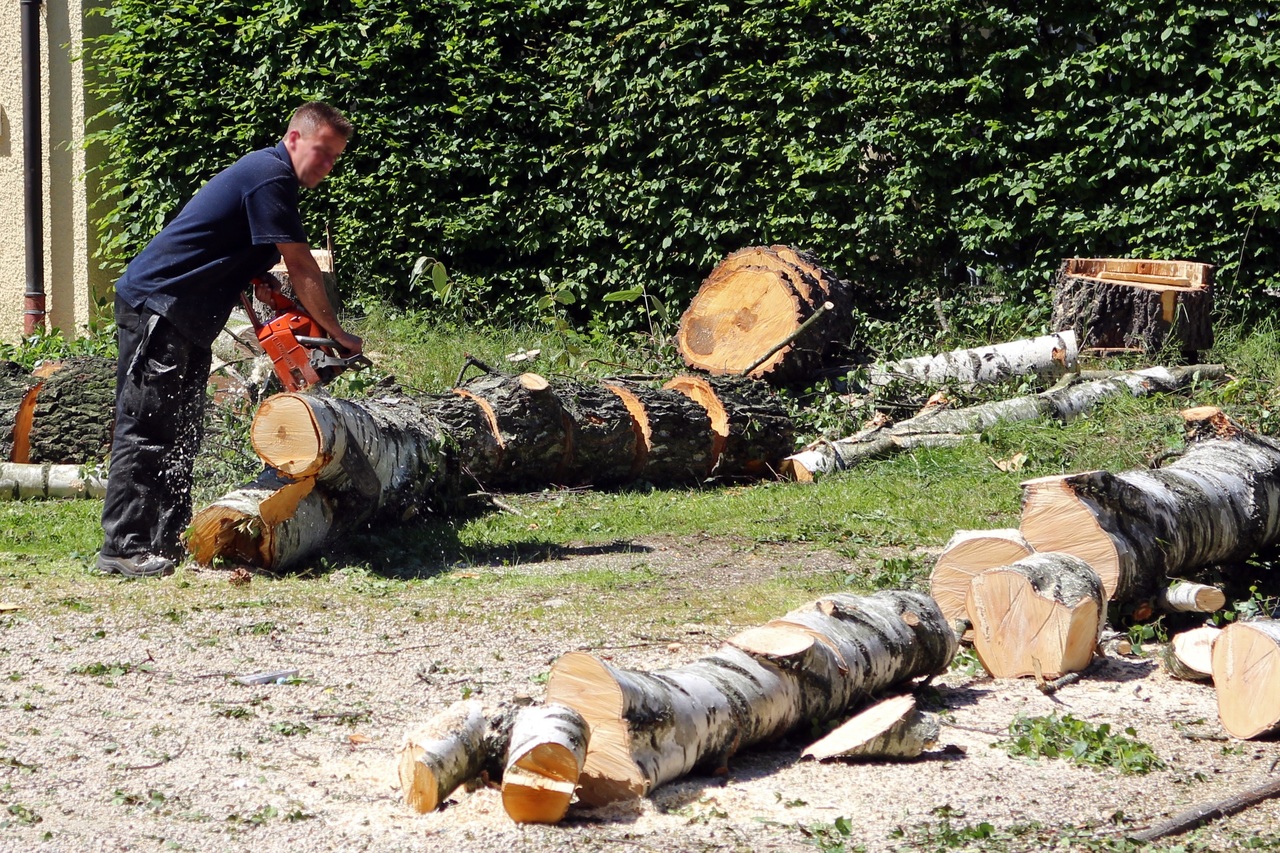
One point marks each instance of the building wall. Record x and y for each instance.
(73, 282)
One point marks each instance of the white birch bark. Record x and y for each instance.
(37, 481)
(650, 728)
(1188, 597)
(271, 522)
(440, 755)
(1217, 504)
(544, 761)
(949, 427)
(1046, 356)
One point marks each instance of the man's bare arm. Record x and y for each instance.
(308, 285)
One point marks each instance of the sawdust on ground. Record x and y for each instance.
(122, 731)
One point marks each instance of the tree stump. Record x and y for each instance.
(755, 300)
(1246, 675)
(1039, 616)
(752, 432)
(1118, 303)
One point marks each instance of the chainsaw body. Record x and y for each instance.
(301, 353)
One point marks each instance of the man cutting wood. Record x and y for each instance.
(172, 301)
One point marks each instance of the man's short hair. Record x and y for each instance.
(313, 115)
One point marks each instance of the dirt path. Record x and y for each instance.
(122, 731)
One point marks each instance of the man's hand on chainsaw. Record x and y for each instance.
(349, 344)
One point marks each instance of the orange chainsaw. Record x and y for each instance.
(301, 353)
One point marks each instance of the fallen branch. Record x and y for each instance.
(1194, 817)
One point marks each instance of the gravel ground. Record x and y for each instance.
(122, 730)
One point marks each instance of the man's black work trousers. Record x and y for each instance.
(160, 394)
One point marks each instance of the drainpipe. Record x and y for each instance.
(33, 173)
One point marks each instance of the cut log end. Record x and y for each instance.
(1054, 519)
(967, 554)
(891, 729)
(286, 436)
(1246, 675)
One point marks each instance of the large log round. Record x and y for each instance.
(755, 300)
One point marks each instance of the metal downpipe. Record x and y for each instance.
(33, 313)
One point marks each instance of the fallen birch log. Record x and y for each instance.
(1246, 675)
(272, 522)
(1189, 655)
(32, 481)
(813, 664)
(1048, 356)
(1218, 503)
(1040, 616)
(891, 729)
(967, 554)
(545, 758)
(948, 427)
(444, 752)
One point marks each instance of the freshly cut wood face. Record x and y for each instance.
(285, 432)
(739, 317)
(1246, 675)
(968, 553)
(1054, 519)
(1019, 632)
(1172, 273)
(863, 728)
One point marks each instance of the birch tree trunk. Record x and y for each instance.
(1218, 503)
(948, 427)
(1048, 356)
(272, 522)
(444, 752)
(814, 664)
(31, 481)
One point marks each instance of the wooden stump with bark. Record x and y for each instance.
(1040, 616)
(1218, 503)
(1114, 303)
(1189, 655)
(547, 750)
(751, 431)
(814, 664)
(1246, 676)
(756, 299)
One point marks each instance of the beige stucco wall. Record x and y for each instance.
(72, 278)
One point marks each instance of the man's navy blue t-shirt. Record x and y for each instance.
(192, 272)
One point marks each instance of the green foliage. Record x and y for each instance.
(99, 340)
(603, 149)
(1079, 742)
(830, 837)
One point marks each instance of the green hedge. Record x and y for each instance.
(599, 145)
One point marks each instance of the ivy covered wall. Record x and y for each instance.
(597, 145)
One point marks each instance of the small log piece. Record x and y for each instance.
(1039, 616)
(1246, 675)
(1114, 303)
(444, 752)
(1188, 597)
(272, 522)
(751, 430)
(31, 481)
(892, 729)
(755, 299)
(545, 758)
(674, 437)
(967, 554)
(1189, 655)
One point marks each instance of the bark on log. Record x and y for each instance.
(1039, 616)
(545, 758)
(1118, 303)
(1048, 356)
(272, 522)
(601, 435)
(753, 300)
(17, 400)
(890, 729)
(1188, 597)
(1246, 675)
(443, 753)
(814, 664)
(74, 411)
(751, 429)
(942, 427)
(529, 424)
(1189, 655)
(31, 481)
(1218, 503)
(673, 434)
(967, 554)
